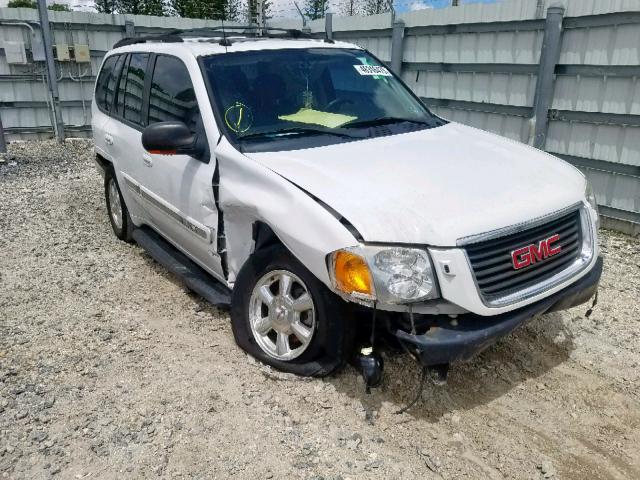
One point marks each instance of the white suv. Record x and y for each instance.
(302, 183)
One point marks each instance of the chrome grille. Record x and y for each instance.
(492, 263)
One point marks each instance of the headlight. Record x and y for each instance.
(386, 274)
(590, 196)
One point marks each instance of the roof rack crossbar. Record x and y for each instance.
(245, 28)
(168, 37)
(176, 35)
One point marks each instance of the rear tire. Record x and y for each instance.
(285, 317)
(116, 208)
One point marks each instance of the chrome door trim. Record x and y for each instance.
(154, 200)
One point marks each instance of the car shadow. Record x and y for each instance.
(525, 354)
(161, 270)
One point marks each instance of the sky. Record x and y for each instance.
(403, 6)
(285, 8)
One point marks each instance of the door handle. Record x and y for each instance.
(108, 139)
(148, 161)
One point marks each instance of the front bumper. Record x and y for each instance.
(446, 343)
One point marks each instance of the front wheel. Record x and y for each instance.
(285, 317)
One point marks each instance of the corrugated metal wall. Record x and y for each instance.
(476, 64)
(23, 93)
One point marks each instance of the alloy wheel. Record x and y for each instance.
(282, 315)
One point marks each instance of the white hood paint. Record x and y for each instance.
(432, 186)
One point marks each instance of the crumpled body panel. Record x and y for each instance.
(249, 192)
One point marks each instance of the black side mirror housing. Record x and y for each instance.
(171, 138)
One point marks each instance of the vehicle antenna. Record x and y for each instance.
(304, 19)
(224, 42)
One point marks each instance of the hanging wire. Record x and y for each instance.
(423, 378)
(373, 324)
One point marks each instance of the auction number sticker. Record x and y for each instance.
(372, 70)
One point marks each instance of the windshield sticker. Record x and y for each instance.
(316, 117)
(238, 117)
(372, 70)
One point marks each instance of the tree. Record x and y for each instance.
(137, 7)
(207, 9)
(315, 9)
(232, 10)
(105, 6)
(351, 8)
(374, 7)
(252, 11)
(249, 11)
(58, 7)
(22, 4)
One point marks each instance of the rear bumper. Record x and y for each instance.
(445, 343)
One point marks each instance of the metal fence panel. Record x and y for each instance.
(476, 64)
(514, 128)
(379, 46)
(598, 94)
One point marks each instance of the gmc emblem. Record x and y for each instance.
(531, 254)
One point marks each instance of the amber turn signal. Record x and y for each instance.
(352, 274)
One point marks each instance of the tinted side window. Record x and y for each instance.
(172, 97)
(134, 88)
(121, 84)
(105, 77)
(110, 89)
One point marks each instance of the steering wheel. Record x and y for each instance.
(336, 103)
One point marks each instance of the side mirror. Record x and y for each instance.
(171, 138)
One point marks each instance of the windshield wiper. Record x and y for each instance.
(372, 122)
(299, 130)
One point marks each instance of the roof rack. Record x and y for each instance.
(177, 35)
(163, 38)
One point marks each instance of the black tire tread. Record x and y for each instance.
(126, 233)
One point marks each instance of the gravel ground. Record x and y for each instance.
(110, 369)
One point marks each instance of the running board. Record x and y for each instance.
(193, 276)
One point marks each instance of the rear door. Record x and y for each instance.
(179, 188)
(125, 130)
(105, 87)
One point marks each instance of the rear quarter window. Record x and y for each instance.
(121, 82)
(105, 79)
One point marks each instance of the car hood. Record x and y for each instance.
(433, 186)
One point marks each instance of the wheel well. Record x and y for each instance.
(103, 162)
(264, 237)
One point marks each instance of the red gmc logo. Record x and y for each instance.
(531, 254)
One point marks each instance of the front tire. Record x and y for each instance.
(285, 317)
(116, 208)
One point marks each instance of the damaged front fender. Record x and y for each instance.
(249, 192)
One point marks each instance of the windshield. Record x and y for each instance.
(339, 94)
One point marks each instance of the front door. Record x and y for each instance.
(178, 189)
